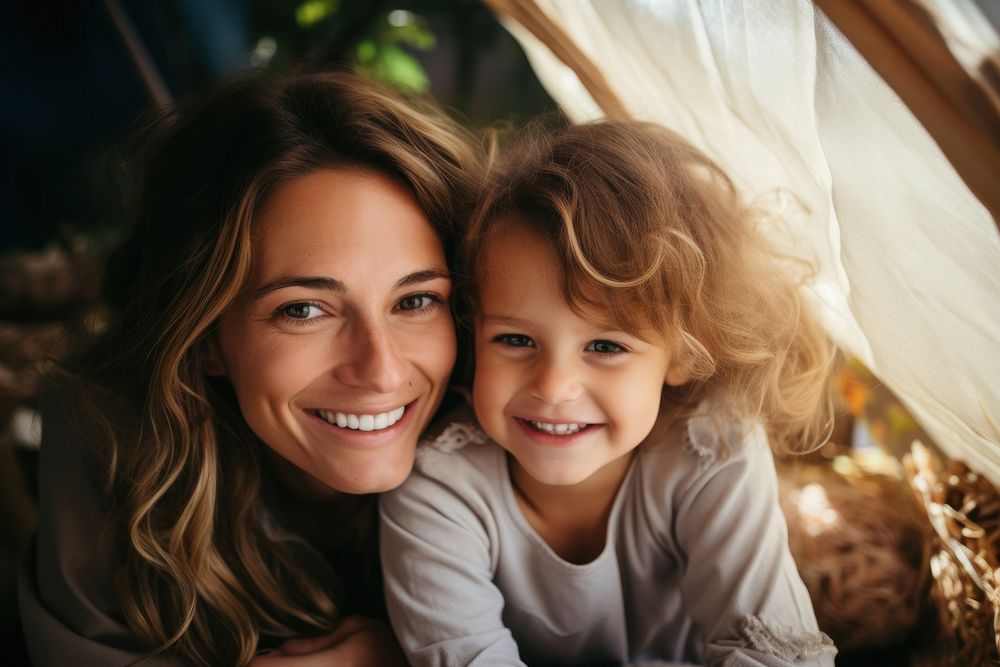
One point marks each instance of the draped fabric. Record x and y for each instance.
(908, 257)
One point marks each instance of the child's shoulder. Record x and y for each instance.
(709, 437)
(456, 442)
(699, 457)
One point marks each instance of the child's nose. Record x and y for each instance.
(556, 381)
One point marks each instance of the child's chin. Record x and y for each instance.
(558, 477)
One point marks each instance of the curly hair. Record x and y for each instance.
(200, 575)
(647, 229)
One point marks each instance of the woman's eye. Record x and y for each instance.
(514, 340)
(604, 347)
(300, 311)
(418, 302)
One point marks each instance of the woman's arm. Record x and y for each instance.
(357, 641)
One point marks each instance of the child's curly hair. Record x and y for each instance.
(648, 229)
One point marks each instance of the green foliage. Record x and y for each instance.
(382, 57)
(390, 64)
(385, 50)
(311, 12)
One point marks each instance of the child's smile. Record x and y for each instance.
(564, 394)
(556, 434)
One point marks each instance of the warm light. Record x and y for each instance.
(399, 18)
(814, 507)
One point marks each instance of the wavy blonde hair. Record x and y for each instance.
(200, 576)
(648, 229)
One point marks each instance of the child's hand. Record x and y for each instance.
(358, 641)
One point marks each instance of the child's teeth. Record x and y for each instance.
(558, 429)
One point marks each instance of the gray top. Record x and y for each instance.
(695, 568)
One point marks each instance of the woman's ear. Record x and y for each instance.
(211, 357)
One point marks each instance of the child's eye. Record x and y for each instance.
(419, 302)
(299, 312)
(514, 340)
(604, 347)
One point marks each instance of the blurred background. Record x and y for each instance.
(76, 73)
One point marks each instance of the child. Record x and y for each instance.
(616, 502)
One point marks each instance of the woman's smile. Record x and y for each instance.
(378, 421)
(362, 429)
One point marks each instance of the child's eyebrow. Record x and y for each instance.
(504, 319)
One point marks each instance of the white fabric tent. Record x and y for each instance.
(909, 258)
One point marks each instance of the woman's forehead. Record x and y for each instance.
(344, 221)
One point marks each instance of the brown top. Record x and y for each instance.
(68, 607)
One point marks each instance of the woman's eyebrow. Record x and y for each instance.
(334, 285)
(331, 284)
(422, 277)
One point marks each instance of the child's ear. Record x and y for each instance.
(211, 357)
(678, 373)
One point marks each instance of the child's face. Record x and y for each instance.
(564, 395)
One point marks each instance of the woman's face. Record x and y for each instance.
(341, 348)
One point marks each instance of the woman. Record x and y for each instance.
(280, 336)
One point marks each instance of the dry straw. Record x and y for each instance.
(859, 541)
(964, 512)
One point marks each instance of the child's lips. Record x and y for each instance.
(551, 431)
(557, 427)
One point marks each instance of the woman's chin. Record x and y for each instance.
(367, 481)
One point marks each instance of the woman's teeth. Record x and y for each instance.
(363, 422)
(557, 429)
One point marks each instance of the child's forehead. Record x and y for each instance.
(517, 258)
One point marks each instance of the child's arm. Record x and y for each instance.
(740, 583)
(438, 552)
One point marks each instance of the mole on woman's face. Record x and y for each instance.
(341, 349)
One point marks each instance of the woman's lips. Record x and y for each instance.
(364, 427)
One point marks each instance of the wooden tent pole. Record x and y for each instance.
(902, 43)
(137, 53)
(537, 22)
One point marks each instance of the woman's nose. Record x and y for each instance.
(373, 362)
(556, 381)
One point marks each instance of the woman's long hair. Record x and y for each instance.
(200, 575)
(647, 228)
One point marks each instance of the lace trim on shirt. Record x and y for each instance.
(457, 435)
(712, 433)
(701, 441)
(783, 643)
